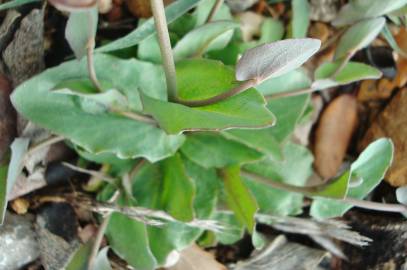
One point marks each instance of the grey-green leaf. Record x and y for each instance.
(15, 3)
(80, 29)
(401, 195)
(300, 18)
(101, 261)
(371, 166)
(104, 132)
(352, 72)
(199, 40)
(362, 9)
(359, 36)
(172, 12)
(275, 59)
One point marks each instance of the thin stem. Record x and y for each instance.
(100, 233)
(137, 117)
(215, 8)
(291, 93)
(160, 20)
(90, 50)
(90, 172)
(234, 91)
(309, 191)
(48, 142)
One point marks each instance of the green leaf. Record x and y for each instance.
(337, 189)
(401, 195)
(172, 12)
(80, 28)
(105, 132)
(300, 18)
(275, 59)
(233, 230)
(149, 50)
(291, 81)
(128, 238)
(99, 102)
(352, 72)
(212, 150)
(271, 30)
(102, 261)
(295, 169)
(362, 9)
(15, 3)
(371, 166)
(201, 39)
(359, 36)
(80, 258)
(287, 119)
(200, 79)
(18, 149)
(261, 140)
(386, 33)
(239, 198)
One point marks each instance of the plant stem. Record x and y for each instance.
(291, 93)
(309, 190)
(48, 142)
(137, 117)
(234, 91)
(100, 233)
(157, 7)
(91, 66)
(215, 8)
(97, 174)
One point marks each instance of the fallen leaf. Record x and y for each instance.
(392, 123)
(333, 135)
(375, 90)
(20, 206)
(194, 258)
(319, 31)
(142, 8)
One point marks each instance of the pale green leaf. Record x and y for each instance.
(102, 261)
(358, 36)
(9, 175)
(291, 81)
(80, 28)
(239, 198)
(357, 10)
(104, 132)
(203, 9)
(15, 3)
(271, 30)
(352, 72)
(212, 150)
(371, 166)
(295, 169)
(201, 79)
(172, 12)
(202, 39)
(300, 18)
(275, 59)
(233, 230)
(401, 195)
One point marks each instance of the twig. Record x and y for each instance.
(100, 233)
(309, 190)
(97, 174)
(234, 91)
(215, 8)
(160, 20)
(48, 142)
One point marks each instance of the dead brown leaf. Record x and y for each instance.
(194, 258)
(142, 8)
(333, 135)
(370, 90)
(392, 122)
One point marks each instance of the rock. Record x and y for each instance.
(8, 126)
(323, 10)
(18, 245)
(392, 122)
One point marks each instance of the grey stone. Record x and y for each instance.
(18, 245)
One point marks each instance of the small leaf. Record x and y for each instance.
(199, 40)
(300, 18)
(172, 12)
(203, 9)
(9, 175)
(401, 195)
(291, 81)
(359, 36)
(100, 102)
(294, 169)
(102, 261)
(80, 29)
(200, 79)
(275, 59)
(271, 30)
(239, 198)
(352, 72)
(371, 166)
(80, 258)
(212, 150)
(362, 9)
